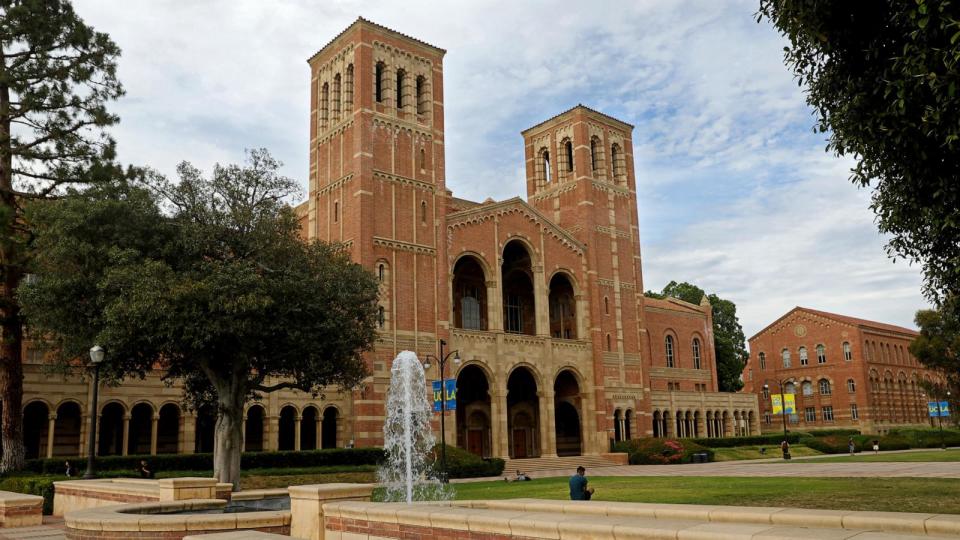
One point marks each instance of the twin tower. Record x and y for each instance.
(378, 185)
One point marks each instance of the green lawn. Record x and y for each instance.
(738, 453)
(934, 495)
(952, 454)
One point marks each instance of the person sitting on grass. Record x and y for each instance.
(578, 486)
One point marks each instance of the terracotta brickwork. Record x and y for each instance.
(845, 372)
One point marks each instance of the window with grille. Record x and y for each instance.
(668, 345)
(763, 361)
(470, 313)
(810, 414)
(514, 322)
(828, 414)
(785, 354)
(854, 414)
(821, 354)
(696, 353)
(803, 356)
(847, 351)
(851, 386)
(825, 387)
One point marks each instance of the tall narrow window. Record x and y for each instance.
(324, 105)
(827, 413)
(825, 387)
(423, 159)
(381, 269)
(608, 343)
(421, 95)
(803, 356)
(514, 309)
(565, 160)
(381, 317)
(851, 386)
(806, 388)
(668, 349)
(594, 150)
(335, 98)
(696, 353)
(763, 361)
(854, 413)
(423, 212)
(348, 90)
(821, 354)
(401, 76)
(606, 305)
(568, 150)
(546, 166)
(336, 211)
(847, 351)
(618, 164)
(378, 81)
(785, 355)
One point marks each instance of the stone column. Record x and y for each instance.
(51, 425)
(409, 99)
(126, 434)
(243, 444)
(541, 300)
(494, 307)
(319, 433)
(501, 435)
(728, 425)
(271, 432)
(154, 425)
(188, 434)
(296, 432)
(548, 425)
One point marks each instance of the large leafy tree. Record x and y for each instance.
(207, 279)
(884, 80)
(56, 76)
(728, 339)
(938, 347)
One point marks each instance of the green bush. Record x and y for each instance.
(31, 485)
(464, 464)
(894, 442)
(753, 440)
(834, 444)
(656, 451)
(927, 437)
(846, 432)
(204, 462)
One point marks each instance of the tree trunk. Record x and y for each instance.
(228, 437)
(11, 326)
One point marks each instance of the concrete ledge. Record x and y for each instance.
(238, 535)
(308, 506)
(19, 510)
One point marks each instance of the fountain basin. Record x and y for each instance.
(170, 520)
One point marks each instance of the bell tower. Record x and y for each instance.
(377, 185)
(579, 170)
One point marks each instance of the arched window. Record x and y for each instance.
(594, 153)
(348, 90)
(335, 98)
(423, 160)
(381, 271)
(825, 387)
(470, 307)
(807, 388)
(568, 152)
(785, 355)
(378, 82)
(618, 163)
(696, 353)
(851, 386)
(821, 354)
(401, 77)
(324, 105)
(803, 356)
(423, 212)
(763, 361)
(421, 95)
(847, 351)
(790, 388)
(336, 211)
(542, 167)
(668, 346)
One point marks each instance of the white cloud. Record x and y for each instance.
(735, 192)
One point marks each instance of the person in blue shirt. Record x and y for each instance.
(578, 486)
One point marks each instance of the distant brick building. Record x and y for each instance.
(543, 298)
(844, 371)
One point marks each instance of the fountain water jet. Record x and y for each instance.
(407, 474)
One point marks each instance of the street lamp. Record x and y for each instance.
(96, 356)
(442, 364)
(943, 446)
(783, 406)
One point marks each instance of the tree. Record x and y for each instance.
(221, 293)
(728, 339)
(883, 78)
(56, 76)
(938, 347)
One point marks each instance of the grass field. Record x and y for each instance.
(738, 453)
(952, 454)
(933, 495)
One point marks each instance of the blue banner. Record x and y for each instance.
(936, 409)
(944, 408)
(451, 395)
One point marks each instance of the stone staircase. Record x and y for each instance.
(532, 466)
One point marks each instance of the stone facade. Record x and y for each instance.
(543, 297)
(845, 372)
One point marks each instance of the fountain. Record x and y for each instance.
(407, 474)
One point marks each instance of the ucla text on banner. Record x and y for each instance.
(451, 391)
(938, 409)
(932, 409)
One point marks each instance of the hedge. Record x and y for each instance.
(32, 485)
(204, 462)
(463, 464)
(927, 437)
(753, 440)
(657, 451)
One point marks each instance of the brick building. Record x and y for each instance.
(844, 371)
(541, 297)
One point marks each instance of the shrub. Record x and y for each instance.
(753, 440)
(846, 432)
(31, 485)
(894, 442)
(204, 462)
(831, 444)
(927, 437)
(656, 451)
(463, 464)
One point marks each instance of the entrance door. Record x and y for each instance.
(519, 443)
(475, 442)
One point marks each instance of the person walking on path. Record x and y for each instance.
(876, 446)
(578, 486)
(851, 446)
(785, 448)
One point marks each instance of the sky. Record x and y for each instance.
(736, 193)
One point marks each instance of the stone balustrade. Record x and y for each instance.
(19, 510)
(82, 494)
(308, 504)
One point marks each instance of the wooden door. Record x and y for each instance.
(475, 442)
(519, 443)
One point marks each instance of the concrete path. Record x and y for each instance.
(52, 529)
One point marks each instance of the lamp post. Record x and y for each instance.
(783, 404)
(943, 445)
(96, 356)
(442, 364)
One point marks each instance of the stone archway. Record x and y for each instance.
(35, 425)
(168, 429)
(329, 436)
(286, 434)
(309, 422)
(567, 406)
(66, 433)
(206, 425)
(140, 431)
(253, 430)
(111, 430)
(473, 411)
(519, 303)
(523, 414)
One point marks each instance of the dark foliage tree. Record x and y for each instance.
(938, 348)
(728, 339)
(56, 76)
(207, 279)
(883, 78)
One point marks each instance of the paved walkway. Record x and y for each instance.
(52, 529)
